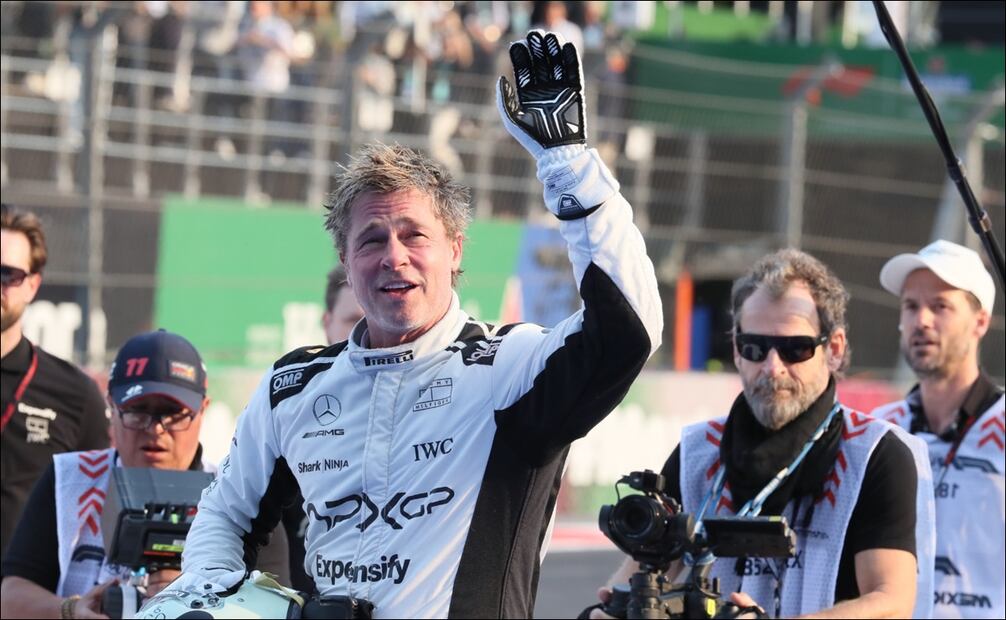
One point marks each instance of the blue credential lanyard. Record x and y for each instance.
(753, 507)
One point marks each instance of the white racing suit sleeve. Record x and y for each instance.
(223, 543)
(551, 386)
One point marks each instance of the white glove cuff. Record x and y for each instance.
(575, 179)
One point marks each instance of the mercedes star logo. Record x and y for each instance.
(327, 409)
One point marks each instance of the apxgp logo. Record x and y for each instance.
(327, 409)
(388, 568)
(400, 506)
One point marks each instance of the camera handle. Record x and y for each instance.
(696, 597)
(645, 590)
(124, 599)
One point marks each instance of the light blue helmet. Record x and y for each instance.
(259, 596)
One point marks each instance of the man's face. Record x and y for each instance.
(399, 260)
(345, 313)
(777, 391)
(155, 445)
(939, 327)
(15, 251)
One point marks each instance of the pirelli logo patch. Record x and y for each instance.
(286, 383)
(389, 360)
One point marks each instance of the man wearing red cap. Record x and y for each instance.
(946, 304)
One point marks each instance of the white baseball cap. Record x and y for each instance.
(956, 265)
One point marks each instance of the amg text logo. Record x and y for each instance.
(326, 432)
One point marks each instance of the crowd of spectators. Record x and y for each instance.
(275, 45)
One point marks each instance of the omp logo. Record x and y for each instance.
(568, 204)
(287, 380)
(400, 506)
(134, 391)
(288, 383)
(389, 360)
(390, 567)
(432, 449)
(327, 409)
(945, 566)
(437, 394)
(963, 599)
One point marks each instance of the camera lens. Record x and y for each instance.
(639, 518)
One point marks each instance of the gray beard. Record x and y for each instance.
(773, 411)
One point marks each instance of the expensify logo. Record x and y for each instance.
(388, 568)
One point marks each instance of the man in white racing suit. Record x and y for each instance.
(946, 298)
(429, 447)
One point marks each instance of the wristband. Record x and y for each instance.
(68, 607)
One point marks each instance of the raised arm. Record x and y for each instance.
(556, 385)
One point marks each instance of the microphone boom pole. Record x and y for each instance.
(977, 216)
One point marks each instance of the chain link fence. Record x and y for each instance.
(718, 172)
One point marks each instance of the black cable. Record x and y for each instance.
(977, 216)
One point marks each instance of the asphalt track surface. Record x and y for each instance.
(569, 580)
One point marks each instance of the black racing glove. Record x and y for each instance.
(546, 109)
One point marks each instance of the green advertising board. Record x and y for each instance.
(744, 87)
(246, 284)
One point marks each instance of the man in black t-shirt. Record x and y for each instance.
(49, 406)
(853, 497)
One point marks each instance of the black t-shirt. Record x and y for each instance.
(884, 515)
(34, 549)
(61, 410)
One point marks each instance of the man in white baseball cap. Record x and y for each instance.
(947, 297)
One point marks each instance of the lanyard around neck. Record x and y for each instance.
(754, 505)
(21, 387)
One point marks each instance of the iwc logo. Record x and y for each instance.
(327, 409)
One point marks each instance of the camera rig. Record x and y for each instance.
(145, 519)
(654, 531)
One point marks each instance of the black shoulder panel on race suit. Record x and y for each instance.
(304, 355)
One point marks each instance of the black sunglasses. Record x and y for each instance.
(792, 349)
(12, 276)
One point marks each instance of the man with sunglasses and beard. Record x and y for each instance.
(855, 490)
(49, 406)
(947, 297)
(55, 566)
